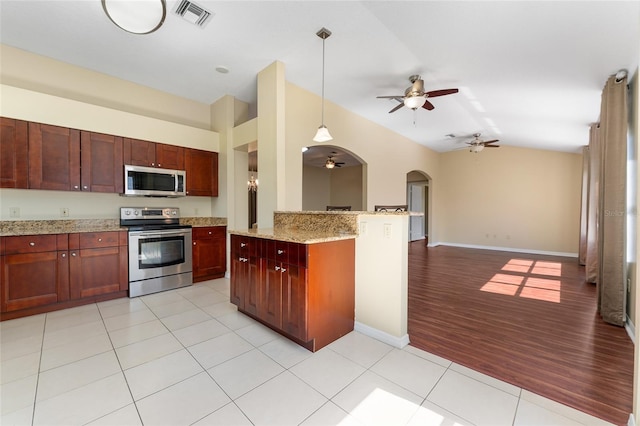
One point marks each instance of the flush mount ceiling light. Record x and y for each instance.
(136, 16)
(322, 135)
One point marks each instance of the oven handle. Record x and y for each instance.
(156, 234)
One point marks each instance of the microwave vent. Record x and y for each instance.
(193, 13)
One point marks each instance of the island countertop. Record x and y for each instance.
(294, 236)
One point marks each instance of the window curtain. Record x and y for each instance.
(611, 217)
(584, 207)
(591, 256)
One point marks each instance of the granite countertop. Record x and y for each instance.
(71, 226)
(295, 236)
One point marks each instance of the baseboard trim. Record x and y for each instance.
(398, 342)
(632, 420)
(631, 329)
(511, 249)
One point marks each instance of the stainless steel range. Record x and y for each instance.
(159, 249)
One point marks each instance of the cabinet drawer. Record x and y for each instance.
(30, 244)
(245, 246)
(278, 250)
(99, 239)
(210, 232)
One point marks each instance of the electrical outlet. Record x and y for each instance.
(14, 211)
(387, 230)
(363, 228)
(64, 212)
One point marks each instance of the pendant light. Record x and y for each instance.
(322, 135)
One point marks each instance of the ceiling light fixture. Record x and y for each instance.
(322, 135)
(330, 164)
(136, 16)
(414, 102)
(476, 148)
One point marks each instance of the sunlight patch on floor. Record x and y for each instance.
(526, 278)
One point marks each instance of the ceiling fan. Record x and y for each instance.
(331, 163)
(476, 145)
(415, 96)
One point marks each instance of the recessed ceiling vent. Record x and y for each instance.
(193, 13)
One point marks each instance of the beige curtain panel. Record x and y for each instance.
(612, 204)
(584, 207)
(592, 257)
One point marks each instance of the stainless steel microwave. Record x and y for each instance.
(154, 182)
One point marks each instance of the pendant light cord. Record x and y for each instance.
(323, 40)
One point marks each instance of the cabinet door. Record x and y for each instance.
(209, 252)
(100, 270)
(102, 163)
(251, 294)
(202, 172)
(238, 280)
(294, 301)
(34, 279)
(14, 156)
(170, 157)
(54, 157)
(270, 294)
(139, 153)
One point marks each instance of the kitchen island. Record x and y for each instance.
(379, 265)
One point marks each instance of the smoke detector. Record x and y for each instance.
(193, 13)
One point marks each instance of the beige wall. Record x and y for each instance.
(316, 189)
(346, 187)
(40, 74)
(511, 198)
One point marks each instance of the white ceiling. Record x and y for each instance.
(537, 68)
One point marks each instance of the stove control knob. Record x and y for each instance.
(135, 212)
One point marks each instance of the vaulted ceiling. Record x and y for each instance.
(530, 73)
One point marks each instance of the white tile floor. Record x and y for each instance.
(188, 357)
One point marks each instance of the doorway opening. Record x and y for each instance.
(418, 200)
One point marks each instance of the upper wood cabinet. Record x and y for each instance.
(102, 162)
(151, 154)
(202, 172)
(14, 160)
(54, 157)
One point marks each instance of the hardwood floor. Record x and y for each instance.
(529, 320)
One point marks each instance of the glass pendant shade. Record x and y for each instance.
(322, 135)
(414, 102)
(136, 16)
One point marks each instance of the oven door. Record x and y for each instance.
(159, 253)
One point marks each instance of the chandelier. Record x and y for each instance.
(252, 183)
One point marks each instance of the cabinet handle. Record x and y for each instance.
(280, 251)
(73, 254)
(153, 164)
(32, 244)
(99, 240)
(242, 245)
(85, 187)
(64, 254)
(209, 232)
(159, 165)
(194, 243)
(283, 270)
(76, 187)
(277, 268)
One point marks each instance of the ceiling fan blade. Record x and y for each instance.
(398, 98)
(442, 92)
(491, 146)
(428, 105)
(397, 107)
(495, 140)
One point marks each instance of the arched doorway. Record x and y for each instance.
(332, 176)
(418, 200)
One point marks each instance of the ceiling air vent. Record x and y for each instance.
(193, 13)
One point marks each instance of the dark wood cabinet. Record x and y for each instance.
(98, 263)
(42, 273)
(245, 272)
(34, 271)
(202, 172)
(151, 154)
(209, 252)
(14, 154)
(102, 162)
(304, 291)
(54, 157)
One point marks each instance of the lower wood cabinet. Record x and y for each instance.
(304, 291)
(41, 273)
(209, 252)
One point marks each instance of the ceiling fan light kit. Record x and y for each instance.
(323, 135)
(136, 16)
